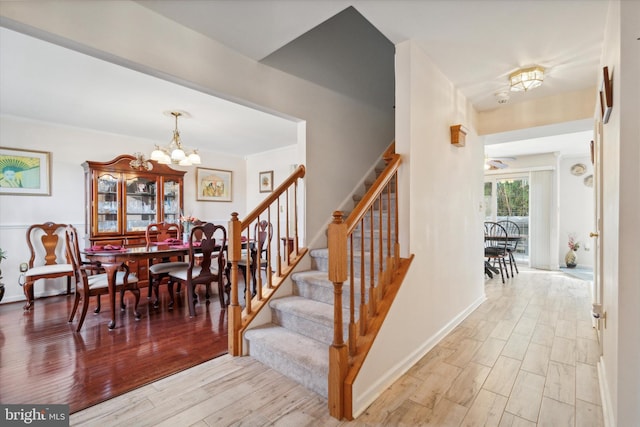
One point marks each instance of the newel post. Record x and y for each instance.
(235, 311)
(338, 352)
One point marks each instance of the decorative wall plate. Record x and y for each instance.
(588, 181)
(578, 169)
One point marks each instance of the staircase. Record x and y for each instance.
(296, 342)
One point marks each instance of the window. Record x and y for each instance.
(508, 199)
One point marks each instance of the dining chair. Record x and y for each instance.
(91, 283)
(158, 233)
(495, 246)
(513, 237)
(212, 246)
(262, 233)
(47, 260)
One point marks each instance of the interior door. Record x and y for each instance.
(596, 157)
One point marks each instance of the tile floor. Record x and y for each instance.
(526, 357)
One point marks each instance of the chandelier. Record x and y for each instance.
(526, 79)
(175, 152)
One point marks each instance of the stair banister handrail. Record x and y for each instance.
(339, 235)
(239, 319)
(376, 189)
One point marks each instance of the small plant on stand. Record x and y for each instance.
(571, 259)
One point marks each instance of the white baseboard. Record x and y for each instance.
(605, 396)
(363, 400)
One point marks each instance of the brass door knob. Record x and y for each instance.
(594, 234)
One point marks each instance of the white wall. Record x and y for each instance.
(69, 148)
(440, 197)
(575, 210)
(281, 162)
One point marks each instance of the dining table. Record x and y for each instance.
(114, 259)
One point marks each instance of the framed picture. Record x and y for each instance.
(25, 172)
(213, 185)
(606, 95)
(266, 182)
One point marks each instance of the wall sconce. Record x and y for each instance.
(458, 135)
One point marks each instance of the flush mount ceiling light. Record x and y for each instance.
(526, 79)
(175, 152)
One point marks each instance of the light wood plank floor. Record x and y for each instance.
(525, 357)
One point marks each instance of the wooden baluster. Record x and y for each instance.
(269, 271)
(372, 289)
(286, 229)
(279, 258)
(352, 303)
(295, 216)
(396, 254)
(363, 292)
(381, 281)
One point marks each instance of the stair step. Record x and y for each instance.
(315, 285)
(307, 317)
(300, 358)
(321, 261)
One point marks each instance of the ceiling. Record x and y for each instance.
(477, 44)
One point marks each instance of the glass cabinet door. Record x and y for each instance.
(140, 203)
(107, 200)
(172, 197)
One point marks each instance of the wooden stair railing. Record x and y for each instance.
(279, 209)
(381, 272)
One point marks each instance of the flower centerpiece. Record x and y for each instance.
(571, 259)
(187, 222)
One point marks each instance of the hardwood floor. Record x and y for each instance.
(42, 359)
(526, 357)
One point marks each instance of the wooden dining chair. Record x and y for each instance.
(47, 260)
(262, 234)
(155, 233)
(495, 246)
(513, 237)
(212, 247)
(89, 283)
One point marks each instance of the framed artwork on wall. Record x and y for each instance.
(606, 95)
(213, 185)
(266, 182)
(25, 172)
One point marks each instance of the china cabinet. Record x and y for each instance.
(121, 200)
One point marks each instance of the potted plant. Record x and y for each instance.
(3, 255)
(571, 259)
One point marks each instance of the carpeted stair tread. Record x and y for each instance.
(303, 307)
(311, 318)
(301, 358)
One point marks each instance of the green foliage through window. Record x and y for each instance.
(513, 198)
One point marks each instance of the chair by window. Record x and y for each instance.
(91, 284)
(46, 244)
(162, 232)
(211, 246)
(495, 246)
(513, 236)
